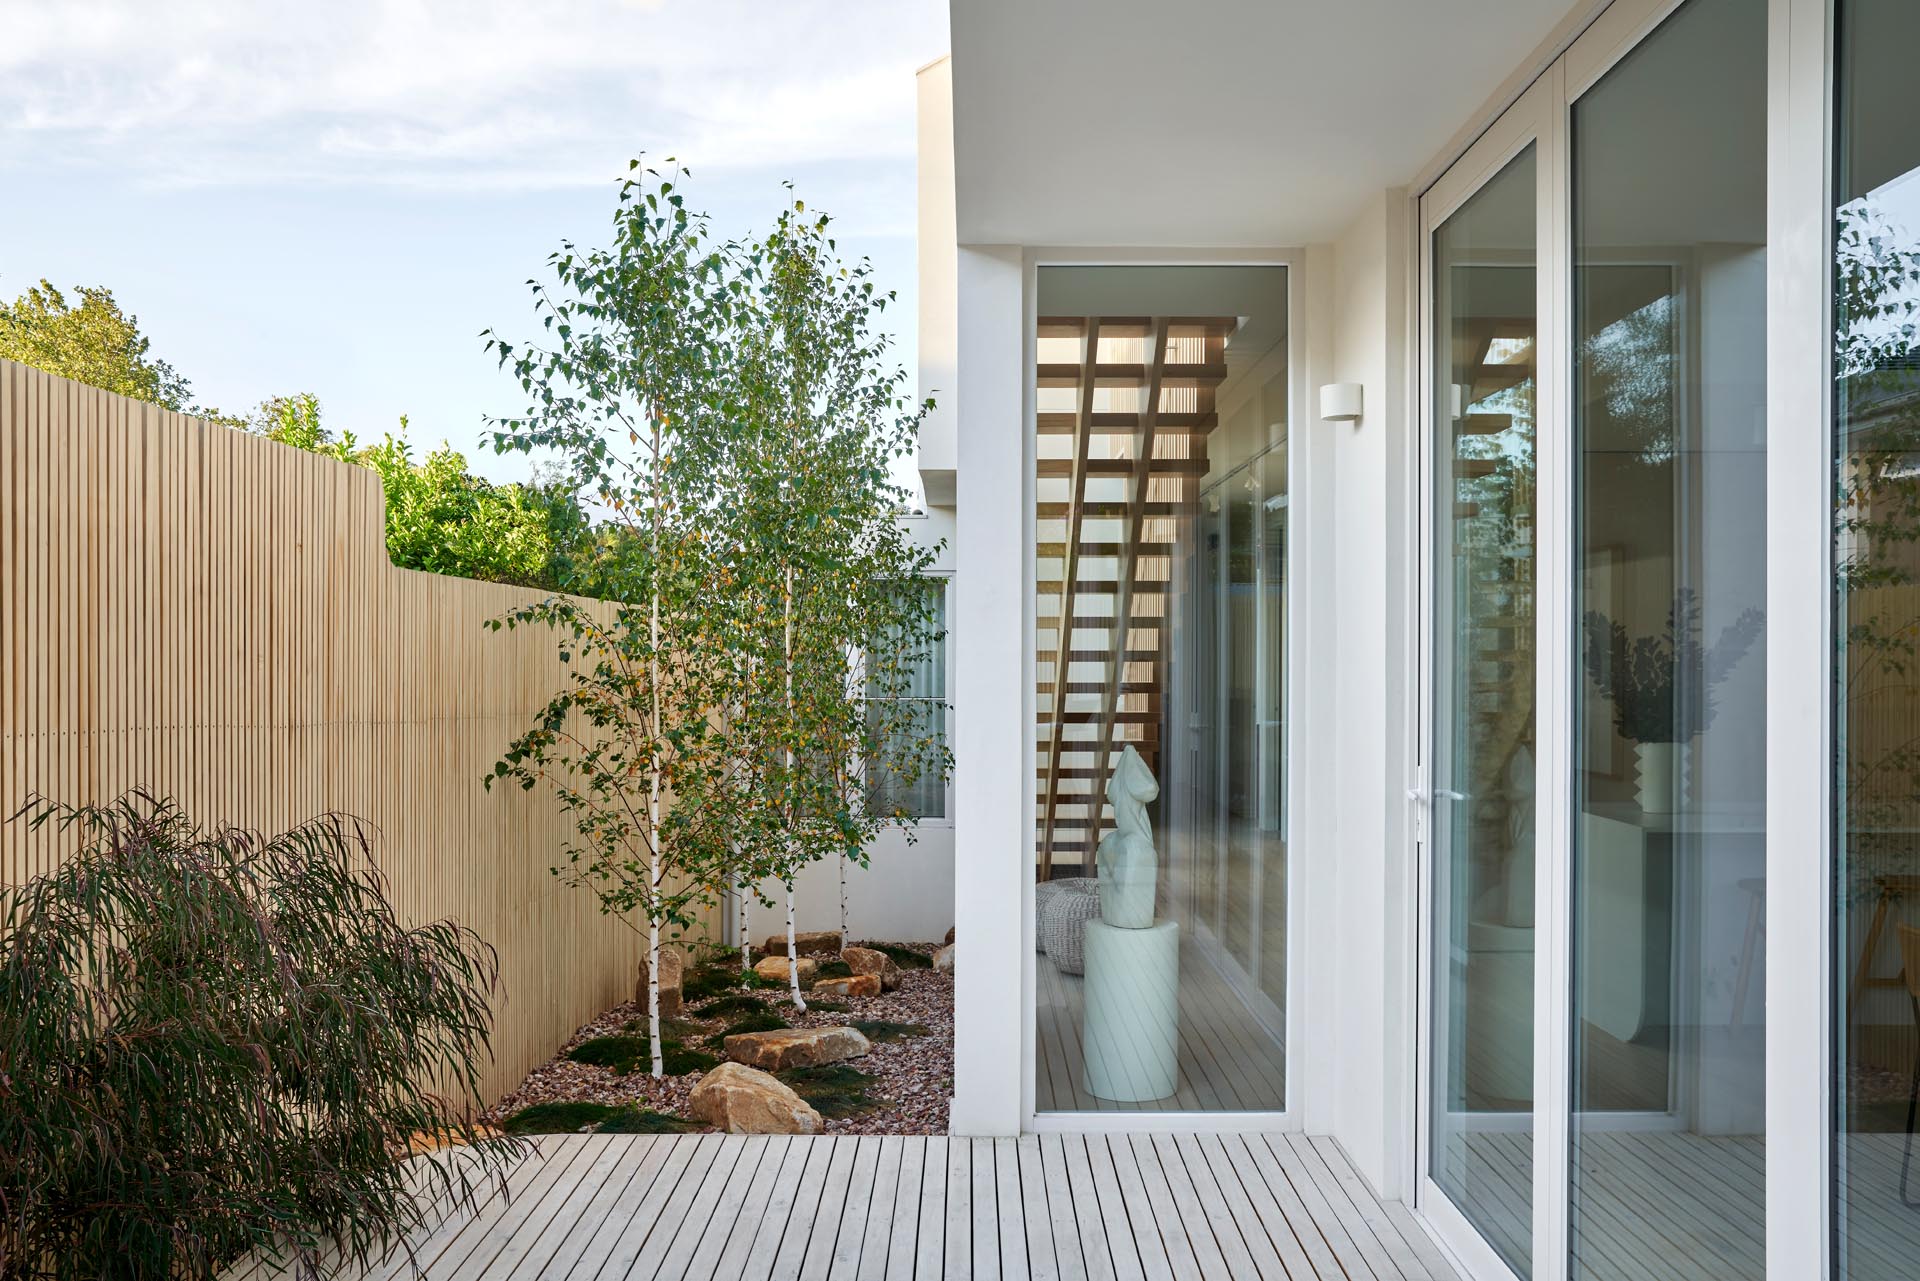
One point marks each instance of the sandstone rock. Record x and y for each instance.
(853, 985)
(943, 959)
(796, 1047)
(673, 969)
(806, 942)
(949, 939)
(740, 1100)
(433, 1140)
(774, 970)
(865, 960)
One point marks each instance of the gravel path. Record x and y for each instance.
(915, 1075)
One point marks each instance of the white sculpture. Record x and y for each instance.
(1129, 865)
(1131, 1027)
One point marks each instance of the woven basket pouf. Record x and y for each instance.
(1044, 893)
(1064, 928)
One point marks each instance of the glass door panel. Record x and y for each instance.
(1876, 622)
(1485, 361)
(1668, 1001)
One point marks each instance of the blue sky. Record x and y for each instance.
(338, 197)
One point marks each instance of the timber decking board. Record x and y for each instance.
(1073, 1207)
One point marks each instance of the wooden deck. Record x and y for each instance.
(1649, 1204)
(1051, 1208)
(1228, 1061)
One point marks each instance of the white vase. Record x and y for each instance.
(1662, 775)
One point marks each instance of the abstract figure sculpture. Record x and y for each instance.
(1131, 1025)
(1129, 870)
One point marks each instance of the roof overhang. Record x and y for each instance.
(1215, 122)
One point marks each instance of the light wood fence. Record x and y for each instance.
(213, 617)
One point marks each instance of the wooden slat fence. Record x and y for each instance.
(212, 616)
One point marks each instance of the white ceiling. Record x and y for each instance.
(1212, 122)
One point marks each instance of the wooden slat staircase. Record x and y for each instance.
(1499, 610)
(1142, 393)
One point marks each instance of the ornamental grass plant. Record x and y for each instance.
(219, 1041)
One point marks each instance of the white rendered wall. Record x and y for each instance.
(905, 893)
(1356, 1063)
(991, 620)
(939, 316)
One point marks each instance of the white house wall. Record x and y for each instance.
(905, 893)
(1355, 1054)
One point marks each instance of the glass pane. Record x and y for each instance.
(1485, 325)
(1669, 855)
(1162, 914)
(902, 778)
(1270, 956)
(1876, 782)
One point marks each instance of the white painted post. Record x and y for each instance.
(993, 699)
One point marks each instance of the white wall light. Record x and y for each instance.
(1341, 402)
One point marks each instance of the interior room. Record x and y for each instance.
(1162, 688)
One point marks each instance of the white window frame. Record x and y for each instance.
(945, 577)
(1300, 561)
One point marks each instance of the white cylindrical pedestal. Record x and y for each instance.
(1132, 1028)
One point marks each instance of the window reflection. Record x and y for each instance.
(1876, 712)
(1485, 501)
(1669, 843)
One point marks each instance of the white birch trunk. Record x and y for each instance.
(793, 952)
(746, 947)
(653, 781)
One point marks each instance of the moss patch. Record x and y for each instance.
(671, 1030)
(624, 1054)
(644, 1121)
(833, 970)
(767, 1022)
(904, 957)
(831, 1007)
(557, 1118)
(717, 980)
(882, 1030)
(620, 1053)
(731, 1005)
(679, 1062)
(834, 1089)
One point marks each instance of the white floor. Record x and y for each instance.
(1055, 1207)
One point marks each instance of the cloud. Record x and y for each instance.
(485, 94)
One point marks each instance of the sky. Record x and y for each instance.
(338, 197)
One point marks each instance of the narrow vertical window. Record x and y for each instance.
(921, 735)
(1160, 842)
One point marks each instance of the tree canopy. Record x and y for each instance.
(94, 342)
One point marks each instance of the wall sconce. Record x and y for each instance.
(1341, 402)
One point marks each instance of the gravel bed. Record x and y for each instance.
(915, 1074)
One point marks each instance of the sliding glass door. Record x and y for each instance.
(1668, 1009)
(1596, 867)
(1484, 499)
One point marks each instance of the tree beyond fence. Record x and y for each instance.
(212, 616)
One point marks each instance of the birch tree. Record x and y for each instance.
(626, 387)
(819, 565)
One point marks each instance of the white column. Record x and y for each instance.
(993, 699)
(1799, 646)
